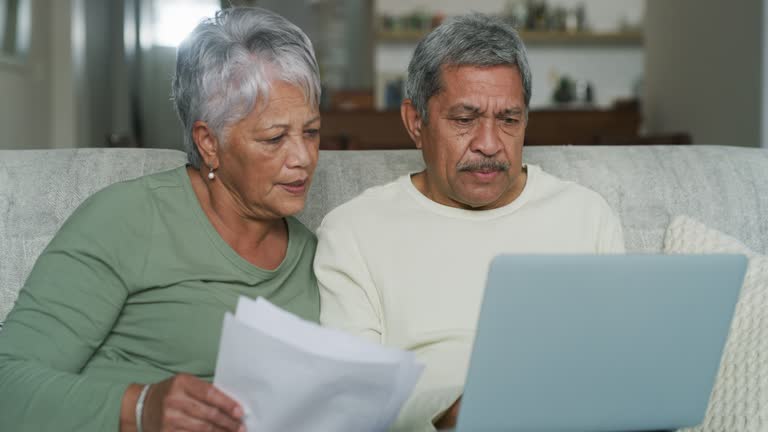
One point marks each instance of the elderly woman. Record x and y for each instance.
(118, 325)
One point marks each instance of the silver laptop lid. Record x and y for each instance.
(599, 343)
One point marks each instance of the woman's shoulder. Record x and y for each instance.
(114, 224)
(134, 193)
(122, 204)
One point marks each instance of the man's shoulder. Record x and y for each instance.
(549, 186)
(371, 203)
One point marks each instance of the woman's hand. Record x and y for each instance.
(185, 402)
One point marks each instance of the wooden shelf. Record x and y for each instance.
(406, 36)
(582, 38)
(537, 37)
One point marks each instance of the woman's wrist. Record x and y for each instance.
(128, 408)
(140, 407)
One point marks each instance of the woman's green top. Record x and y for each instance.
(133, 288)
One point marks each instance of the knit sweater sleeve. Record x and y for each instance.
(64, 312)
(349, 299)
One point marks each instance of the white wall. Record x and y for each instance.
(614, 71)
(704, 63)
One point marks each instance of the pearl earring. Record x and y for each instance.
(211, 175)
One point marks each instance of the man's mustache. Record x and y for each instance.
(484, 165)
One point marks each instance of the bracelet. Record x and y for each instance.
(140, 406)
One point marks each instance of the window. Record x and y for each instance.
(15, 28)
(173, 20)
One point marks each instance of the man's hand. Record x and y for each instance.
(185, 402)
(450, 417)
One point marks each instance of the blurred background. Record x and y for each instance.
(96, 73)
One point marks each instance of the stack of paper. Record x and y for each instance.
(293, 375)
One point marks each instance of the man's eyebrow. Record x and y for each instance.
(463, 109)
(510, 112)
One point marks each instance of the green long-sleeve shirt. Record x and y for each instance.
(133, 288)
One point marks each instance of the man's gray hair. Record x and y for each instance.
(468, 40)
(225, 67)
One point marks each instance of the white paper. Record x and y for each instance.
(293, 375)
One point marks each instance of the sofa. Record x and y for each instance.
(722, 187)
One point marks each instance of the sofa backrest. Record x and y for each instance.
(723, 187)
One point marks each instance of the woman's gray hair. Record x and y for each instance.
(225, 67)
(468, 40)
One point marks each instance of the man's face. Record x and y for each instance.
(473, 142)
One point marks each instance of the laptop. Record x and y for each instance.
(599, 343)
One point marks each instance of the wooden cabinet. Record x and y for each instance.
(377, 130)
(580, 126)
(363, 130)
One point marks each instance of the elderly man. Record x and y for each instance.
(405, 264)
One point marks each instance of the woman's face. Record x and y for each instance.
(270, 155)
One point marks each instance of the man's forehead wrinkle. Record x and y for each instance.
(468, 108)
(511, 111)
(464, 107)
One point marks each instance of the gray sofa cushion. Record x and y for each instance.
(724, 187)
(39, 189)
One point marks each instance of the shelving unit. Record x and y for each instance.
(353, 130)
(535, 37)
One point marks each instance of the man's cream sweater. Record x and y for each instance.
(400, 269)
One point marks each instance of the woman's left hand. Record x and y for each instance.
(185, 402)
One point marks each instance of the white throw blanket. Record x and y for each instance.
(739, 401)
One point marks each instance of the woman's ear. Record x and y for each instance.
(412, 121)
(206, 143)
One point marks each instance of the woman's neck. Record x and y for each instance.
(262, 241)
